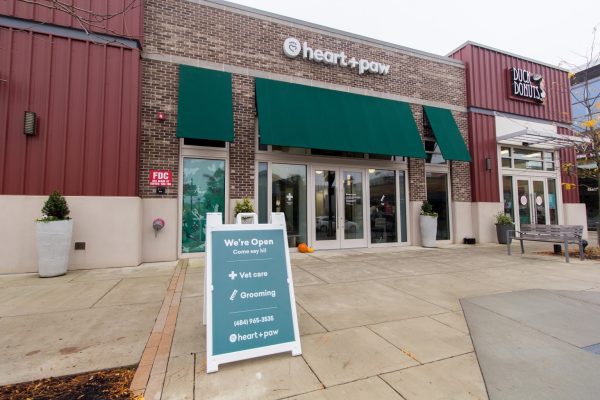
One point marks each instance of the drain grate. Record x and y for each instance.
(595, 348)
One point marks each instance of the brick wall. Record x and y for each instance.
(159, 148)
(195, 31)
(460, 175)
(241, 151)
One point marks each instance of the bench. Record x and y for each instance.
(564, 234)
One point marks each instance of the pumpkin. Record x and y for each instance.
(311, 250)
(303, 248)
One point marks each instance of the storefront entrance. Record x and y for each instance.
(535, 199)
(203, 190)
(339, 208)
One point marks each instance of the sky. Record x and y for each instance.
(550, 31)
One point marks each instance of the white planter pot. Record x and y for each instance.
(428, 227)
(53, 247)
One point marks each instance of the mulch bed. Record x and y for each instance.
(591, 252)
(100, 385)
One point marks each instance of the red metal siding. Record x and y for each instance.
(86, 97)
(488, 85)
(482, 145)
(567, 155)
(127, 24)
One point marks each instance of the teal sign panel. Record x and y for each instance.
(251, 299)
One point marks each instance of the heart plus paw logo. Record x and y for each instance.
(291, 47)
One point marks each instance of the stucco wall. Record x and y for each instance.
(110, 226)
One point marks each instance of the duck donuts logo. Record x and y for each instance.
(292, 49)
(527, 85)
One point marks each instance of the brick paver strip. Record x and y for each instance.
(150, 374)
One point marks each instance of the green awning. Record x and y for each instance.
(205, 109)
(309, 117)
(447, 135)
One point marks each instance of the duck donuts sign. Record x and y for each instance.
(526, 85)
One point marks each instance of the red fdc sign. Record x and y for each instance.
(159, 177)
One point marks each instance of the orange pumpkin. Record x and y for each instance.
(302, 248)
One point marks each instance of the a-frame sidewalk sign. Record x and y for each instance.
(249, 307)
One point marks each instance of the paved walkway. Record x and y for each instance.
(537, 344)
(381, 323)
(79, 322)
(374, 323)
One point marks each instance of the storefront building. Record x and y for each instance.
(520, 137)
(214, 102)
(344, 134)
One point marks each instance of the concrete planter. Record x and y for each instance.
(428, 227)
(53, 247)
(501, 230)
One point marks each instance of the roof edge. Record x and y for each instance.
(508, 53)
(380, 43)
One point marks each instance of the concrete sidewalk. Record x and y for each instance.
(375, 323)
(380, 323)
(79, 322)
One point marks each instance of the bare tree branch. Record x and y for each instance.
(87, 19)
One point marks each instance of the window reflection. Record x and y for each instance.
(382, 206)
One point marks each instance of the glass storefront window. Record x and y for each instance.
(433, 152)
(505, 153)
(290, 150)
(437, 195)
(382, 188)
(507, 190)
(353, 205)
(527, 159)
(552, 201)
(325, 205)
(549, 161)
(288, 195)
(203, 191)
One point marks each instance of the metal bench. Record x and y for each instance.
(564, 234)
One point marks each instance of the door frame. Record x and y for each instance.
(340, 242)
(325, 162)
(207, 153)
(516, 200)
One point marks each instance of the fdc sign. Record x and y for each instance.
(250, 304)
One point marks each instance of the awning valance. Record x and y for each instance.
(447, 134)
(304, 116)
(205, 108)
(539, 138)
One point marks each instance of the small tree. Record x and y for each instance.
(586, 125)
(245, 206)
(427, 209)
(55, 208)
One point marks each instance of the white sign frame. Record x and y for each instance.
(213, 223)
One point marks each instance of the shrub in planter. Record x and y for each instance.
(245, 206)
(54, 232)
(504, 223)
(428, 224)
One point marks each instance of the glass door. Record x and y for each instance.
(539, 201)
(352, 218)
(339, 208)
(203, 191)
(524, 199)
(532, 200)
(326, 211)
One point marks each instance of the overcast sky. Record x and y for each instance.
(548, 31)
